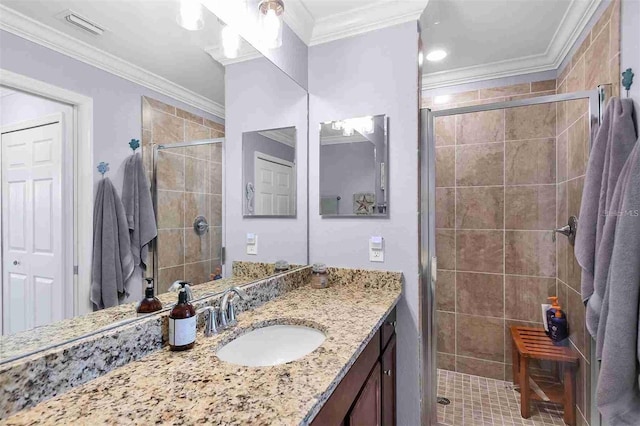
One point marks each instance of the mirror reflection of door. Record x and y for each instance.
(274, 186)
(33, 254)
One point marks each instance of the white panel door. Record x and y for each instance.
(32, 225)
(275, 189)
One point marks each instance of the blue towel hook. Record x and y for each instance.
(134, 144)
(627, 80)
(103, 168)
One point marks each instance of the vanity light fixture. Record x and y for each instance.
(271, 13)
(362, 125)
(190, 16)
(230, 42)
(436, 55)
(442, 99)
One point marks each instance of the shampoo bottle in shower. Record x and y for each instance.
(558, 326)
(182, 324)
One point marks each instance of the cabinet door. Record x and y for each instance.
(389, 384)
(367, 409)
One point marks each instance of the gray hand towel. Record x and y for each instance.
(618, 392)
(614, 141)
(112, 263)
(136, 198)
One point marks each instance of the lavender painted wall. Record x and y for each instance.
(347, 79)
(117, 103)
(260, 96)
(347, 169)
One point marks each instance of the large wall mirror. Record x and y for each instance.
(269, 172)
(354, 167)
(182, 123)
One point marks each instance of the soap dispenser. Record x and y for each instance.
(150, 303)
(182, 322)
(558, 325)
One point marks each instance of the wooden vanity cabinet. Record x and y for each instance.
(366, 396)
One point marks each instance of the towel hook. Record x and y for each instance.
(134, 144)
(103, 168)
(627, 80)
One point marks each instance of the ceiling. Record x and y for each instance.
(499, 38)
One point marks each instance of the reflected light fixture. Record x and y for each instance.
(362, 125)
(436, 55)
(190, 16)
(230, 42)
(271, 13)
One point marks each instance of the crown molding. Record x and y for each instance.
(573, 23)
(44, 35)
(337, 140)
(280, 136)
(299, 19)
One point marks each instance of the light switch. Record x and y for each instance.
(376, 249)
(252, 244)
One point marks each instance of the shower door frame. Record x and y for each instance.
(154, 191)
(427, 229)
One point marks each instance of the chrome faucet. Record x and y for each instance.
(227, 310)
(211, 320)
(177, 285)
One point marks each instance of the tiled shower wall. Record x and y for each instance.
(189, 184)
(495, 209)
(596, 61)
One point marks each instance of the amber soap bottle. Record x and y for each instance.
(150, 303)
(182, 324)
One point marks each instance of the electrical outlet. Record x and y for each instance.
(376, 249)
(252, 244)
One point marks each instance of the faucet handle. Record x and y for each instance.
(211, 324)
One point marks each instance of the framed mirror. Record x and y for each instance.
(269, 173)
(354, 168)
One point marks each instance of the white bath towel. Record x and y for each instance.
(112, 263)
(138, 205)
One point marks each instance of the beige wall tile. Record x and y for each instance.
(479, 208)
(578, 148)
(562, 207)
(216, 152)
(562, 255)
(445, 166)
(445, 207)
(531, 95)
(574, 271)
(196, 174)
(215, 178)
(562, 150)
(575, 310)
(446, 361)
(536, 121)
(479, 294)
(575, 79)
(167, 129)
(602, 22)
(616, 76)
(561, 117)
(147, 115)
(480, 127)
(160, 106)
(597, 66)
(170, 171)
(479, 251)
(170, 247)
(445, 128)
(523, 296)
(195, 132)
(480, 165)
(213, 125)
(216, 210)
(563, 75)
(197, 247)
(543, 86)
(189, 116)
(445, 249)
(446, 324)
(479, 367)
(614, 41)
(515, 89)
(167, 276)
(530, 207)
(576, 109)
(530, 253)
(480, 337)
(196, 204)
(457, 98)
(530, 161)
(574, 196)
(446, 291)
(170, 209)
(197, 273)
(216, 241)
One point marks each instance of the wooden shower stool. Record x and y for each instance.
(532, 343)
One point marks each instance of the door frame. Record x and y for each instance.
(261, 155)
(82, 152)
(426, 229)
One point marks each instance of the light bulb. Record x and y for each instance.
(190, 17)
(271, 28)
(436, 55)
(230, 42)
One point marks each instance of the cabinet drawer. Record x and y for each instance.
(388, 328)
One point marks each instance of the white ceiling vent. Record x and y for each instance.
(81, 22)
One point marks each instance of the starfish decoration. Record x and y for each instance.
(134, 144)
(363, 204)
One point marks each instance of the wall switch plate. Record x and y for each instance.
(376, 249)
(252, 244)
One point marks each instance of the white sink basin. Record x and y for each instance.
(273, 345)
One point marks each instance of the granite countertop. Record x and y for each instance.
(196, 387)
(62, 331)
